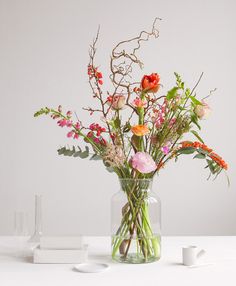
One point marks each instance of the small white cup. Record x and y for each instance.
(191, 255)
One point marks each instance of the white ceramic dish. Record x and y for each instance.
(91, 267)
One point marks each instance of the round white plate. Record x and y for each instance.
(91, 267)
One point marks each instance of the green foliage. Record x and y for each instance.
(179, 81)
(172, 93)
(115, 123)
(197, 135)
(194, 119)
(214, 168)
(199, 156)
(42, 111)
(75, 152)
(187, 92)
(194, 100)
(95, 157)
(202, 151)
(127, 127)
(187, 150)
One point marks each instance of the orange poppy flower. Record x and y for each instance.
(140, 130)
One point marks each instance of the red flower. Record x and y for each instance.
(98, 75)
(150, 83)
(97, 128)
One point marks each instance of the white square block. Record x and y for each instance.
(60, 255)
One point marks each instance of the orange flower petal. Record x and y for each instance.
(140, 130)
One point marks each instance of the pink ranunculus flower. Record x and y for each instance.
(202, 111)
(143, 162)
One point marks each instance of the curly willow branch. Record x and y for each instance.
(120, 68)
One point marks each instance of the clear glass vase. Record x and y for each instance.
(136, 222)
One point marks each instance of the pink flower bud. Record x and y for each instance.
(70, 134)
(68, 113)
(77, 125)
(76, 136)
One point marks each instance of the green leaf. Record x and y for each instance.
(110, 169)
(195, 101)
(75, 153)
(127, 127)
(187, 150)
(194, 120)
(211, 166)
(85, 153)
(203, 151)
(172, 93)
(95, 157)
(181, 108)
(197, 136)
(199, 156)
(187, 92)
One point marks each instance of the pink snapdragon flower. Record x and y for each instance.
(62, 122)
(143, 162)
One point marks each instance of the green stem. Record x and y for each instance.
(148, 230)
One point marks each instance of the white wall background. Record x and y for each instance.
(43, 60)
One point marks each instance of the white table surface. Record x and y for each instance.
(221, 251)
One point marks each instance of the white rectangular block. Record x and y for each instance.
(61, 242)
(60, 255)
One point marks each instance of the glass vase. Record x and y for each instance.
(136, 222)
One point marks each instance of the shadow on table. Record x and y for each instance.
(174, 263)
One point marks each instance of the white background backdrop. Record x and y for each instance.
(43, 62)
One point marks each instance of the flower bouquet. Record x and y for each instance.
(141, 129)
